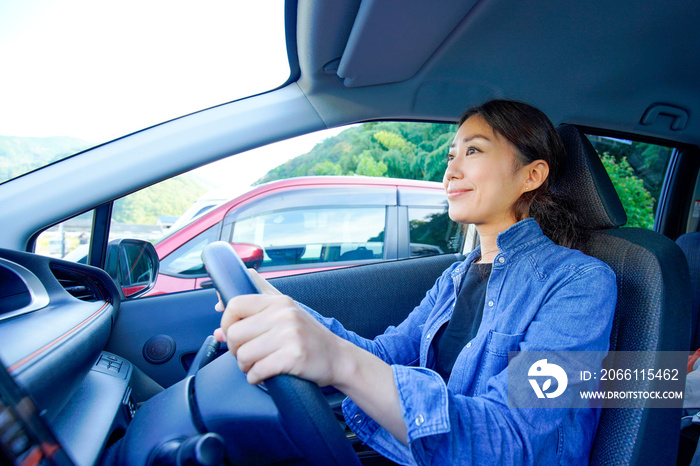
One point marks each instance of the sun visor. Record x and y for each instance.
(391, 39)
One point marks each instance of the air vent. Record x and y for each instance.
(78, 289)
(78, 285)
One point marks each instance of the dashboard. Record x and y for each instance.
(65, 399)
(55, 320)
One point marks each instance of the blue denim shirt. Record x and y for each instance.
(540, 297)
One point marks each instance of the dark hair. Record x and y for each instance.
(535, 138)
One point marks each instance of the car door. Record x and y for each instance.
(161, 334)
(425, 228)
(317, 227)
(299, 226)
(299, 229)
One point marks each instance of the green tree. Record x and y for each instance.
(170, 197)
(395, 149)
(636, 199)
(647, 160)
(400, 155)
(326, 168)
(368, 166)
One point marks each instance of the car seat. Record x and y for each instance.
(690, 429)
(652, 312)
(690, 244)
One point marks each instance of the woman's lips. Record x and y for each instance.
(453, 193)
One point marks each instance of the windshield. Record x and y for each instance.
(78, 73)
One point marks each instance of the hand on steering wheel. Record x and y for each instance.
(305, 415)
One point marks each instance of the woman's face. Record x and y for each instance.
(483, 178)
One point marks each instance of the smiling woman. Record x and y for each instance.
(89, 72)
(435, 387)
(93, 357)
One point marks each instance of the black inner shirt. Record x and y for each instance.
(466, 318)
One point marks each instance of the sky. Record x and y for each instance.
(98, 70)
(232, 176)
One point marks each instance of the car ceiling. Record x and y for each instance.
(598, 64)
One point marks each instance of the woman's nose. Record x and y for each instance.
(452, 171)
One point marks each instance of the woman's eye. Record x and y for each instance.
(450, 158)
(472, 150)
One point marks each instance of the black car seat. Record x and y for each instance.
(652, 313)
(690, 244)
(690, 430)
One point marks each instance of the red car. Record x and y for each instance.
(308, 224)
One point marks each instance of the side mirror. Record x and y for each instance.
(251, 254)
(133, 264)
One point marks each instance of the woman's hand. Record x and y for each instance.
(270, 334)
(262, 284)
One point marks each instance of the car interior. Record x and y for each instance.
(93, 374)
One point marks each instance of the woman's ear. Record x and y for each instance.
(537, 172)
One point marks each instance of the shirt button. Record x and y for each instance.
(501, 260)
(420, 420)
(490, 303)
(357, 418)
(469, 345)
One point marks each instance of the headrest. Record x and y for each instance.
(585, 182)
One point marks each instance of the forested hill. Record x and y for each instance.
(393, 149)
(20, 155)
(170, 197)
(419, 150)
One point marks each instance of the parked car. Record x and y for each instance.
(90, 376)
(196, 210)
(305, 224)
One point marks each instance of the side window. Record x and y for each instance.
(295, 238)
(69, 240)
(637, 170)
(186, 261)
(693, 224)
(432, 232)
(355, 219)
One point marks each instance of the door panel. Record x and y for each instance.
(187, 318)
(366, 299)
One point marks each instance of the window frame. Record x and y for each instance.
(673, 204)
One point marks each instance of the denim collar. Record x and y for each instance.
(512, 241)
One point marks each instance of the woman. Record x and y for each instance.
(434, 390)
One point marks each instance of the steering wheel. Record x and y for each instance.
(305, 415)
